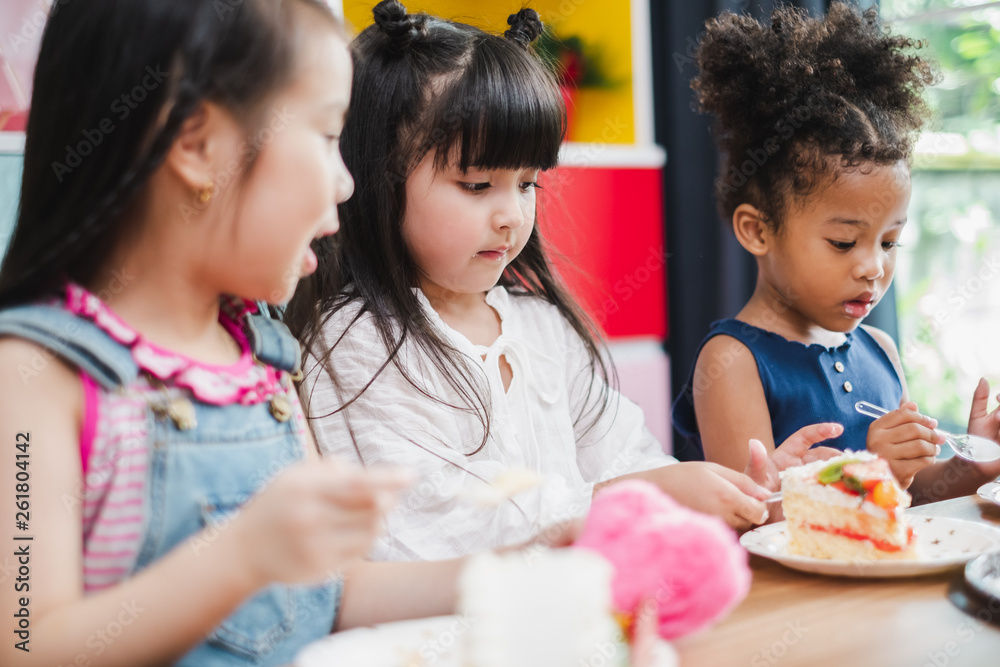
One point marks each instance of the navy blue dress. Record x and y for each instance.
(803, 384)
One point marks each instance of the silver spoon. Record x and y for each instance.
(971, 447)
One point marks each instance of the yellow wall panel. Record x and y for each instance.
(602, 115)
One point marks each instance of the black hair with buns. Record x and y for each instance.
(426, 86)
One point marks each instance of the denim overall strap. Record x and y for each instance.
(90, 349)
(74, 339)
(272, 343)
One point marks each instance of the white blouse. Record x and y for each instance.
(531, 426)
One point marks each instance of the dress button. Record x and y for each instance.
(848, 388)
(839, 366)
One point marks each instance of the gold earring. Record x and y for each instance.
(206, 192)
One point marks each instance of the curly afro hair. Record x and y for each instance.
(798, 100)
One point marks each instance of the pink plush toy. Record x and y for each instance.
(689, 565)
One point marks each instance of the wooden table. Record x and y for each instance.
(794, 618)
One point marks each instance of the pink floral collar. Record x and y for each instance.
(245, 382)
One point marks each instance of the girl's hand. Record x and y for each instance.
(712, 489)
(797, 450)
(907, 440)
(981, 422)
(986, 424)
(312, 519)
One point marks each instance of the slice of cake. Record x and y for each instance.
(847, 508)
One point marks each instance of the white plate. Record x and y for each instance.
(942, 544)
(419, 643)
(990, 491)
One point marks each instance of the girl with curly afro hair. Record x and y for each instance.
(815, 121)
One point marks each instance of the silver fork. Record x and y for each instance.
(971, 447)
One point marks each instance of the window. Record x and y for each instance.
(948, 274)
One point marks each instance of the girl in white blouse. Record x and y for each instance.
(438, 336)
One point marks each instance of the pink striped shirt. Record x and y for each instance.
(114, 482)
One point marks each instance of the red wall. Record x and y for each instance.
(607, 223)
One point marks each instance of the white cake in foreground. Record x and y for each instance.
(540, 609)
(847, 508)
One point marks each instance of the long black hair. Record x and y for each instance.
(114, 83)
(424, 85)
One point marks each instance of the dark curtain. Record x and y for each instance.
(709, 274)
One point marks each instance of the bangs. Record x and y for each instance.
(502, 112)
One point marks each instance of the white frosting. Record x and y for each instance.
(810, 470)
(802, 480)
(539, 608)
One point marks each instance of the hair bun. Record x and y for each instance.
(525, 27)
(403, 29)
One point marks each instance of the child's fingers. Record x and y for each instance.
(388, 481)
(740, 510)
(749, 511)
(905, 415)
(739, 498)
(991, 418)
(980, 400)
(350, 486)
(757, 468)
(361, 522)
(742, 482)
(351, 489)
(915, 431)
(799, 442)
(913, 449)
(391, 478)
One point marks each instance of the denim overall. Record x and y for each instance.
(199, 477)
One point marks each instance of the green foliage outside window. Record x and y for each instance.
(948, 275)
